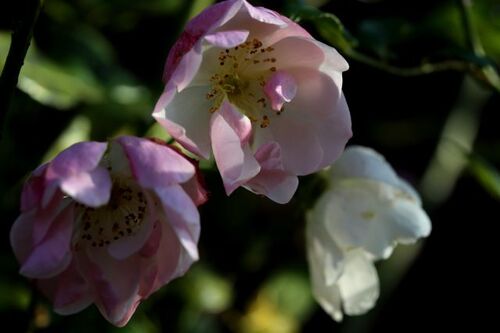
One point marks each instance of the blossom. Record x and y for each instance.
(364, 214)
(257, 91)
(108, 223)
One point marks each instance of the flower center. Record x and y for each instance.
(123, 216)
(241, 76)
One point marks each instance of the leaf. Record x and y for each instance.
(486, 174)
(49, 83)
(328, 25)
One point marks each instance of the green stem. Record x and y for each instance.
(423, 69)
(18, 47)
(487, 73)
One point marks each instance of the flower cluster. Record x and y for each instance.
(111, 223)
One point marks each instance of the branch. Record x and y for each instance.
(18, 47)
(488, 72)
(423, 69)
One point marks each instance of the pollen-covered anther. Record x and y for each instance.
(265, 122)
(241, 78)
(122, 216)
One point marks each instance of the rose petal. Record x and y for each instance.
(272, 181)
(365, 163)
(374, 216)
(68, 291)
(184, 57)
(186, 117)
(227, 39)
(229, 131)
(80, 157)
(114, 283)
(91, 188)
(280, 88)
(183, 216)
(34, 188)
(358, 285)
(52, 254)
(323, 252)
(264, 15)
(126, 246)
(173, 261)
(154, 165)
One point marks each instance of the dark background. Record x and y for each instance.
(94, 71)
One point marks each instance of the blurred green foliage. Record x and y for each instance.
(94, 71)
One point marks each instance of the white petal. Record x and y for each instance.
(407, 222)
(322, 251)
(373, 216)
(354, 216)
(327, 296)
(358, 285)
(366, 163)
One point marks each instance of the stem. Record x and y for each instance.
(19, 45)
(423, 69)
(488, 72)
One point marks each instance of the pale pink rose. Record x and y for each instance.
(108, 223)
(262, 95)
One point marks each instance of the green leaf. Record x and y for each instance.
(49, 83)
(328, 25)
(486, 174)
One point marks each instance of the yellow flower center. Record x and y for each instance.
(241, 77)
(123, 216)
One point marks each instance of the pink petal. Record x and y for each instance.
(34, 188)
(230, 131)
(181, 71)
(68, 291)
(91, 188)
(335, 129)
(319, 113)
(264, 15)
(80, 157)
(272, 181)
(154, 165)
(114, 283)
(182, 215)
(187, 68)
(227, 39)
(21, 235)
(52, 255)
(301, 149)
(320, 99)
(334, 62)
(196, 190)
(280, 88)
(151, 246)
(170, 262)
(297, 51)
(127, 246)
(292, 29)
(186, 116)
(45, 216)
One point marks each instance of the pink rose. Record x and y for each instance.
(259, 92)
(108, 223)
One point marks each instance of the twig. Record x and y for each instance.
(18, 47)
(423, 69)
(489, 73)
